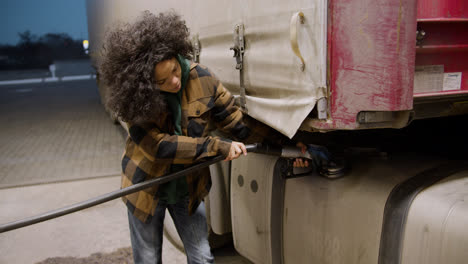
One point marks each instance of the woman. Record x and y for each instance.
(169, 105)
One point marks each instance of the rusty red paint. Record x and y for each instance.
(371, 59)
(455, 10)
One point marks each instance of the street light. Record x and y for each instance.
(86, 45)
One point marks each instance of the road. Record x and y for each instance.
(56, 132)
(58, 147)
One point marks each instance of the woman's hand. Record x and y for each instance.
(237, 148)
(301, 163)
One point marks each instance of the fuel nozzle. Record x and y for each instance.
(322, 160)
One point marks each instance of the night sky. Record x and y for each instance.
(41, 17)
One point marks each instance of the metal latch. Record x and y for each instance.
(420, 35)
(239, 45)
(239, 48)
(196, 48)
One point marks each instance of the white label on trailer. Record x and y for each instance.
(452, 81)
(428, 78)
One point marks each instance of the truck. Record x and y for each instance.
(382, 84)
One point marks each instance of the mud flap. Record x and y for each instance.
(257, 195)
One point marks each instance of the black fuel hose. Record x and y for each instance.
(256, 148)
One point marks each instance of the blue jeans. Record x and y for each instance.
(147, 239)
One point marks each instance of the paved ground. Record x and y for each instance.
(56, 143)
(62, 68)
(24, 74)
(58, 129)
(98, 230)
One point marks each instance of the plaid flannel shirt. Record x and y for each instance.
(150, 150)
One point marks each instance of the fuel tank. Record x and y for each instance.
(405, 209)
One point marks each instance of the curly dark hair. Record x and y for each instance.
(130, 53)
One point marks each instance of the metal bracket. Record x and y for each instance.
(239, 48)
(196, 48)
(420, 35)
(322, 103)
(239, 45)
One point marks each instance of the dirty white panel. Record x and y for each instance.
(436, 230)
(428, 78)
(214, 23)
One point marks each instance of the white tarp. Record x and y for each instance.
(279, 93)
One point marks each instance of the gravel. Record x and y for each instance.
(121, 256)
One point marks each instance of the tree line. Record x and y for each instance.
(34, 52)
